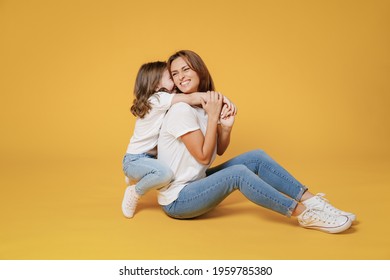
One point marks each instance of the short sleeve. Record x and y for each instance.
(181, 119)
(161, 100)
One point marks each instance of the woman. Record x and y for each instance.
(189, 139)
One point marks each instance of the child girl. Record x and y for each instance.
(153, 98)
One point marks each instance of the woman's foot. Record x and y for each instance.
(319, 202)
(320, 220)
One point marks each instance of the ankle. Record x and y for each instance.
(306, 196)
(298, 210)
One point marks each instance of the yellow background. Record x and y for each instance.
(310, 80)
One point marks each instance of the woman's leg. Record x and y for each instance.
(150, 173)
(203, 195)
(275, 175)
(268, 170)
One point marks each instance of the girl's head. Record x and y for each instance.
(189, 72)
(151, 78)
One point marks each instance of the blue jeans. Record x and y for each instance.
(260, 179)
(149, 172)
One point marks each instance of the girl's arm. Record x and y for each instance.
(196, 98)
(200, 146)
(191, 99)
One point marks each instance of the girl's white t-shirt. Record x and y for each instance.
(180, 119)
(147, 129)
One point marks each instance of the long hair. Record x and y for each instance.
(196, 63)
(147, 80)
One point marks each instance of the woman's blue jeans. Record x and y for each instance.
(149, 172)
(260, 179)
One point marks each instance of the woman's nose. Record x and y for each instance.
(181, 76)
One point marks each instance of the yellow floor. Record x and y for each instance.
(70, 209)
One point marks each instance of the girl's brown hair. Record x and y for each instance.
(148, 78)
(196, 63)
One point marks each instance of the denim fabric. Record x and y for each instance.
(261, 179)
(149, 172)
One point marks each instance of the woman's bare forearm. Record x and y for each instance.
(223, 139)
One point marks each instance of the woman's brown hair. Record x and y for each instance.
(148, 78)
(196, 63)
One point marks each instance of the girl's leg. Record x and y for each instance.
(268, 170)
(150, 173)
(203, 195)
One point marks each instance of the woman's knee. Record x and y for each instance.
(238, 170)
(260, 153)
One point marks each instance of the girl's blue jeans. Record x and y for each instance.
(149, 172)
(261, 179)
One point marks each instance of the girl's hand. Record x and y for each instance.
(213, 105)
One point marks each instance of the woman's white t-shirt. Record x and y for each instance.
(180, 119)
(146, 130)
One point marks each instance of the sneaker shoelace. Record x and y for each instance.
(326, 204)
(315, 215)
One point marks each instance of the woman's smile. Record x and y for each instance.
(185, 83)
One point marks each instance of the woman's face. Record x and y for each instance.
(186, 79)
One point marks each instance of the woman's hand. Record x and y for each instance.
(228, 109)
(213, 105)
(224, 130)
(227, 121)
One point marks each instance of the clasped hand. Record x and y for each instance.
(219, 107)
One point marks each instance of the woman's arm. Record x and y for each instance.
(226, 125)
(224, 133)
(200, 146)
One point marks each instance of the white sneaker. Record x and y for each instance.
(319, 202)
(130, 201)
(321, 220)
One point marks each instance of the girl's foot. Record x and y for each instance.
(130, 201)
